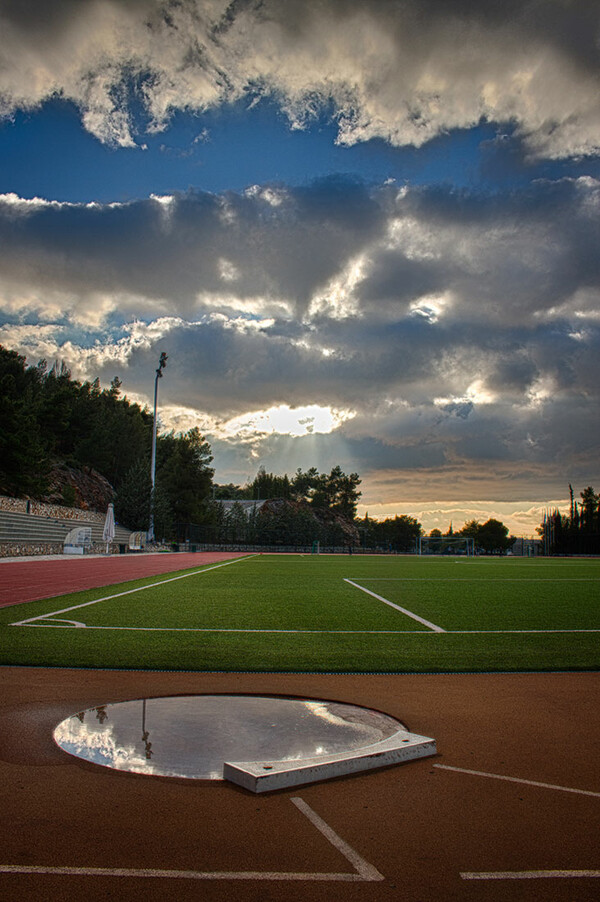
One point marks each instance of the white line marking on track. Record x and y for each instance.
(480, 773)
(173, 875)
(432, 626)
(162, 582)
(363, 868)
(364, 872)
(525, 875)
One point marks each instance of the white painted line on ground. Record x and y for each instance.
(51, 624)
(56, 620)
(477, 632)
(363, 868)
(526, 875)
(174, 875)
(162, 582)
(479, 773)
(48, 623)
(364, 872)
(432, 626)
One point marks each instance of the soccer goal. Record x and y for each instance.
(464, 545)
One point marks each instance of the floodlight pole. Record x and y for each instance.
(161, 365)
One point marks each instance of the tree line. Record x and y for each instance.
(577, 532)
(49, 418)
(335, 490)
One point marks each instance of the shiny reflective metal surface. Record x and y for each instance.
(192, 736)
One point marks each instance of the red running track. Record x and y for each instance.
(22, 581)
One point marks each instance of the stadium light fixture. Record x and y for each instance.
(161, 365)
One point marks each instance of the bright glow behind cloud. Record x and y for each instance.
(311, 419)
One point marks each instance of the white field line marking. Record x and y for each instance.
(56, 621)
(482, 579)
(77, 624)
(476, 632)
(432, 626)
(162, 582)
(525, 875)
(364, 871)
(479, 773)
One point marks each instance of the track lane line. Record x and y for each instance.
(526, 875)
(363, 871)
(162, 582)
(480, 773)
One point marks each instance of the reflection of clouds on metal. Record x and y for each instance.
(259, 742)
(97, 743)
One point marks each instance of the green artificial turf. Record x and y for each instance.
(212, 618)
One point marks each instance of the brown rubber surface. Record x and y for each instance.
(29, 580)
(419, 825)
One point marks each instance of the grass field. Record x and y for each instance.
(325, 614)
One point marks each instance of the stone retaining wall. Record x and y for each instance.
(29, 549)
(39, 509)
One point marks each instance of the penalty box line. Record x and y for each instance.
(161, 582)
(397, 607)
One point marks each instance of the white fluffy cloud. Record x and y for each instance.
(404, 71)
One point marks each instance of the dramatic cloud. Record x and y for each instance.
(442, 342)
(404, 71)
(436, 338)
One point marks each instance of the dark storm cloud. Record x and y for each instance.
(273, 244)
(394, 288)
(519, 253)
(397, 280)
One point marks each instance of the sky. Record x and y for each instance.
(364, 233)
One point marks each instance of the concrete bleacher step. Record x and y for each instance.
(18, 527)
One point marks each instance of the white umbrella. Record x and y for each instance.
(109, 526)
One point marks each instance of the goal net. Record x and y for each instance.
(463, 545)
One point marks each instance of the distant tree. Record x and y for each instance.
(343, 490)
(132, 501)
(184, 475)
(268, 485)
(471, 529)
(589, 509)
(435, 533)
(335, 490)
(24, 446)
(397, 533)
(286, 524)
(239, 524)
(491, 536)
(303, 485)
(575, 533)
(229, 492)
